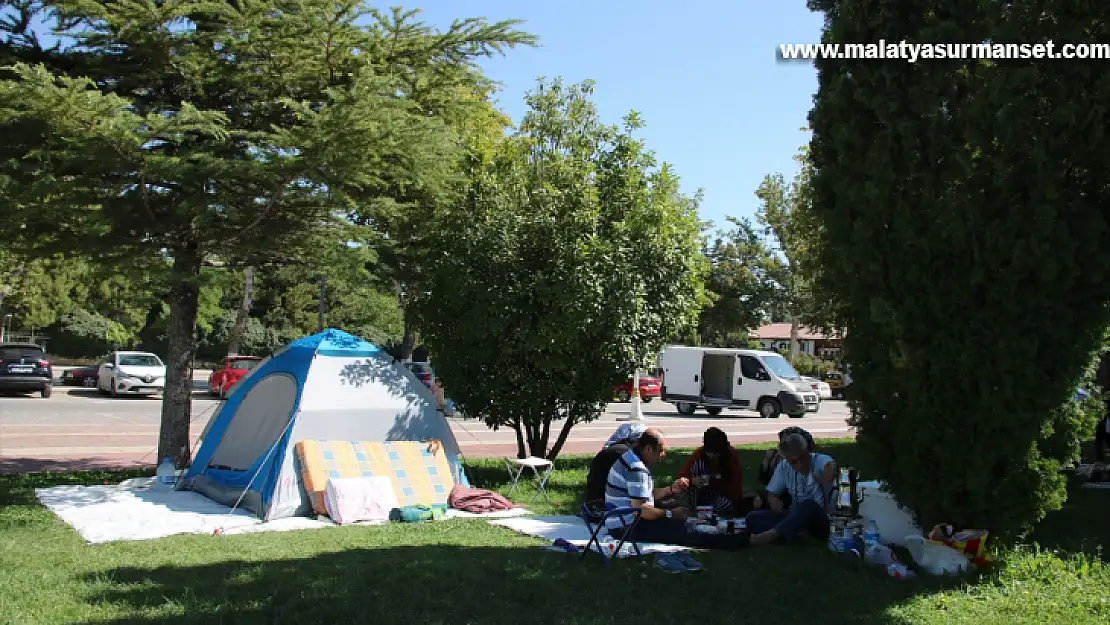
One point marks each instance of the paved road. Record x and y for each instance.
(79, 428)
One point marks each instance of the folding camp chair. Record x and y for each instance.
(595, 513)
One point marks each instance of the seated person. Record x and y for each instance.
(621, 441)
(714, 469)
(630, 485)
(627, 433)
(772, 458)
(808, 478)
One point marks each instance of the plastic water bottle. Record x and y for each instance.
(166, 475)
(871, 535)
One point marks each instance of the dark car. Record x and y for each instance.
(81, 376)
(24, 367)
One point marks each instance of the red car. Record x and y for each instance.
(649, 389)
(228, 373)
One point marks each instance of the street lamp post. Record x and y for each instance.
(635, 411)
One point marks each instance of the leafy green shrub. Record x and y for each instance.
(964, 213)
(213, 344)
(571, 258)
(84, 334)
(810, 365)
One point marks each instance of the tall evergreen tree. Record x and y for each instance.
(206, 129)
(964, 206)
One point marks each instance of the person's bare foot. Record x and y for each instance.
(764, 538)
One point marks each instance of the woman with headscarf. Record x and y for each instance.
(714, 469)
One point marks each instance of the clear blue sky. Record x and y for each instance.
(718, 104)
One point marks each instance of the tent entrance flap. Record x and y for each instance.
(259, 421)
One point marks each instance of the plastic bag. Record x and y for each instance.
(881, 554)
(936, 558)
(970, 542)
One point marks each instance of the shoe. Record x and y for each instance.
(669, 563)
(688, 561)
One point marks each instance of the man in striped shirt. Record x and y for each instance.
(630, 485)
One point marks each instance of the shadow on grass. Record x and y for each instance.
(453, 584)
(17, 467)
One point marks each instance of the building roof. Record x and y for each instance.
(781, 332)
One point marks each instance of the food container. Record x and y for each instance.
(704, 512)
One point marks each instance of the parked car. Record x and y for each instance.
(131, 373)
(80, 376)
(649, 389)
(824, 391)
(835, 380)
(424, 372)
(231, 370)
(25, 368)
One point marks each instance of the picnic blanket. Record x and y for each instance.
(573, 530)
(132, 510)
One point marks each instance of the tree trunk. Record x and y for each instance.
(533, 438)
(408, 340)
(323, 304)
(545, 435)
(559, 442)
(793, 337)
(521, 452)
(173, 437)
(233, 342)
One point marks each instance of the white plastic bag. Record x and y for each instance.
(349, 500)
(936, 558)
(880, 554)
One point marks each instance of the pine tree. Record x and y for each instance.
(200, 129)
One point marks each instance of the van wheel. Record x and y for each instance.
(686, 409)
(714, 410)
(623, 396)
(769, 409)
(47, 390)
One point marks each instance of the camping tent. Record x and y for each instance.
(328, 386)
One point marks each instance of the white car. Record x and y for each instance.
(131, 373)
(824, 391)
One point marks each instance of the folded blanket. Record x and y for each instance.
(477, 500)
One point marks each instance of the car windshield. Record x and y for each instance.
(20, 353)
(780, 367)
(139, 360)
(242, 364)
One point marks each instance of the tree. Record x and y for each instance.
(229, 130)
(963, 204)
(569, 258)
(786, 217)
(739, 285)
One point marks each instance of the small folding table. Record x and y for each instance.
(541, 468)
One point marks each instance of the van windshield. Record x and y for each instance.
(781, 368)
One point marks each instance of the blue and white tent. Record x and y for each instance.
(328, 386)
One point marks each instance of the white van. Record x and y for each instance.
(719, 378)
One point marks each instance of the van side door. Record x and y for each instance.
(749, 384)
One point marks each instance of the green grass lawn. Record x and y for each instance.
(471, 572)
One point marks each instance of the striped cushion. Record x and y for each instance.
(418, 470)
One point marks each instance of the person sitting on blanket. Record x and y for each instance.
(772, 459)
(808, 478)
(623, 439)
(630, 485)
(714, 469)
